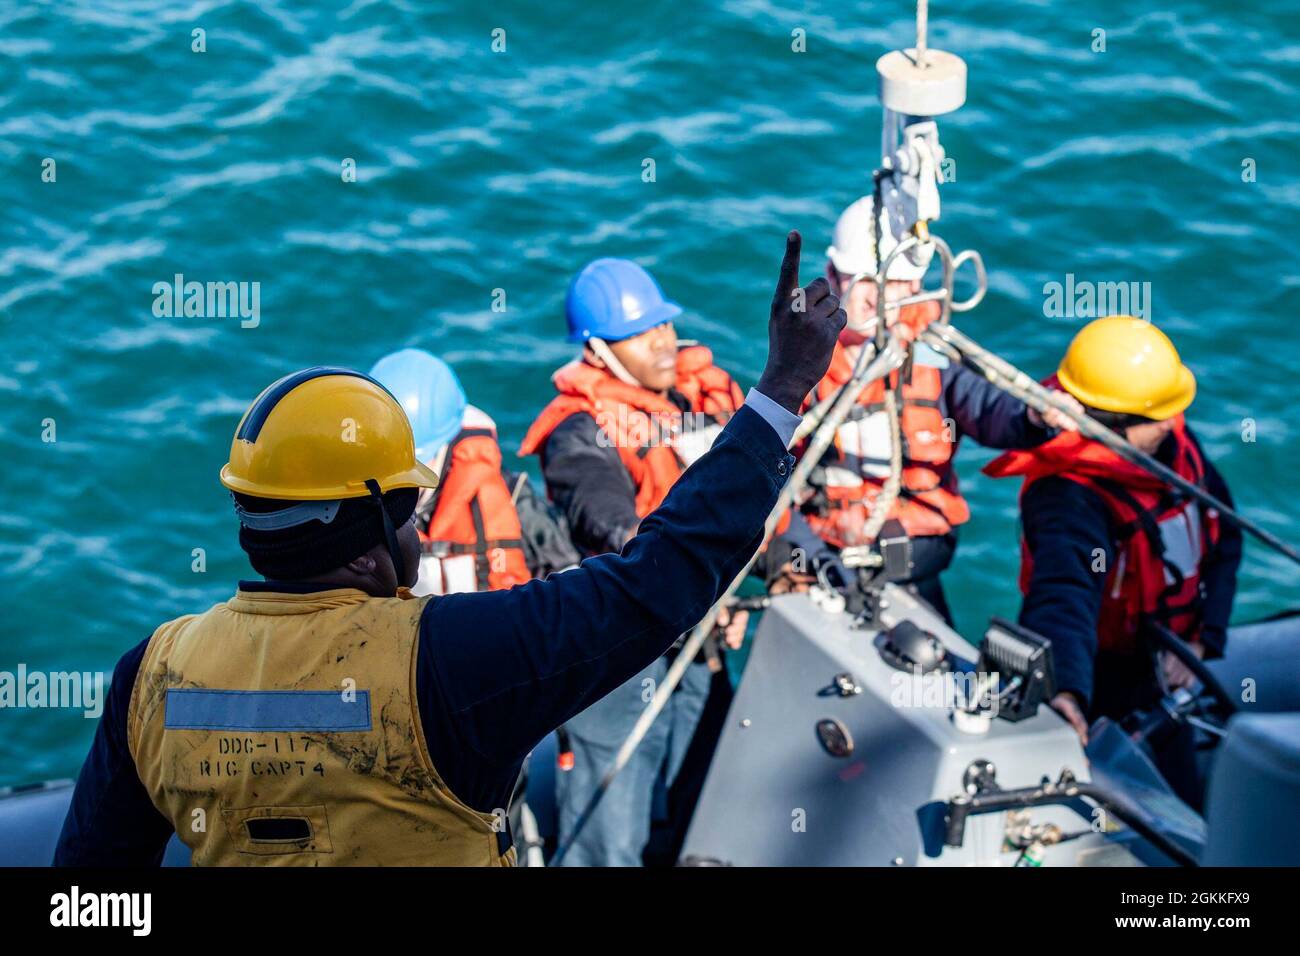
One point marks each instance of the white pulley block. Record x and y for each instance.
(907, 88)
(832, 602)
(971, 722)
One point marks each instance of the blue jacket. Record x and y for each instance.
(498, 670)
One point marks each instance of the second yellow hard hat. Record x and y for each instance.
(1124, 364)
(320, 434)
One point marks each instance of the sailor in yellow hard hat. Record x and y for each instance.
(324, 716)
(1109, 551)
(1125, 365)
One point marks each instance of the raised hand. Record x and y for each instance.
(801, 332)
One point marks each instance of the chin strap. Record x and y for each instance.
(603, 352)
(390, 533)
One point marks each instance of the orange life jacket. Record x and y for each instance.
(928, 502)
(1162, 537)
(469, 524)
(642, 425)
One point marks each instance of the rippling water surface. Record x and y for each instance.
(479, 171)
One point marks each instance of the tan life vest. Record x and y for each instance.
(283, 730)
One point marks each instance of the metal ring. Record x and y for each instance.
(981, 280)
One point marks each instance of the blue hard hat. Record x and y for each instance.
(614, 299)
(429, 392)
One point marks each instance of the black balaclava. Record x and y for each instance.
(316, 546)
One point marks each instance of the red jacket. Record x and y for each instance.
(1162, 539)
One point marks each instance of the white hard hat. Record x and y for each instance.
(853, 247)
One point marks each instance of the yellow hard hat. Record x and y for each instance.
(321, 434)
(1124, 364)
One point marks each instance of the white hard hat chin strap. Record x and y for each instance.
(603, 352)
(867, 328)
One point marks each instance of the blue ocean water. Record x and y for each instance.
(479, 171)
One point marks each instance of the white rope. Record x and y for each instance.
(884, 502)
